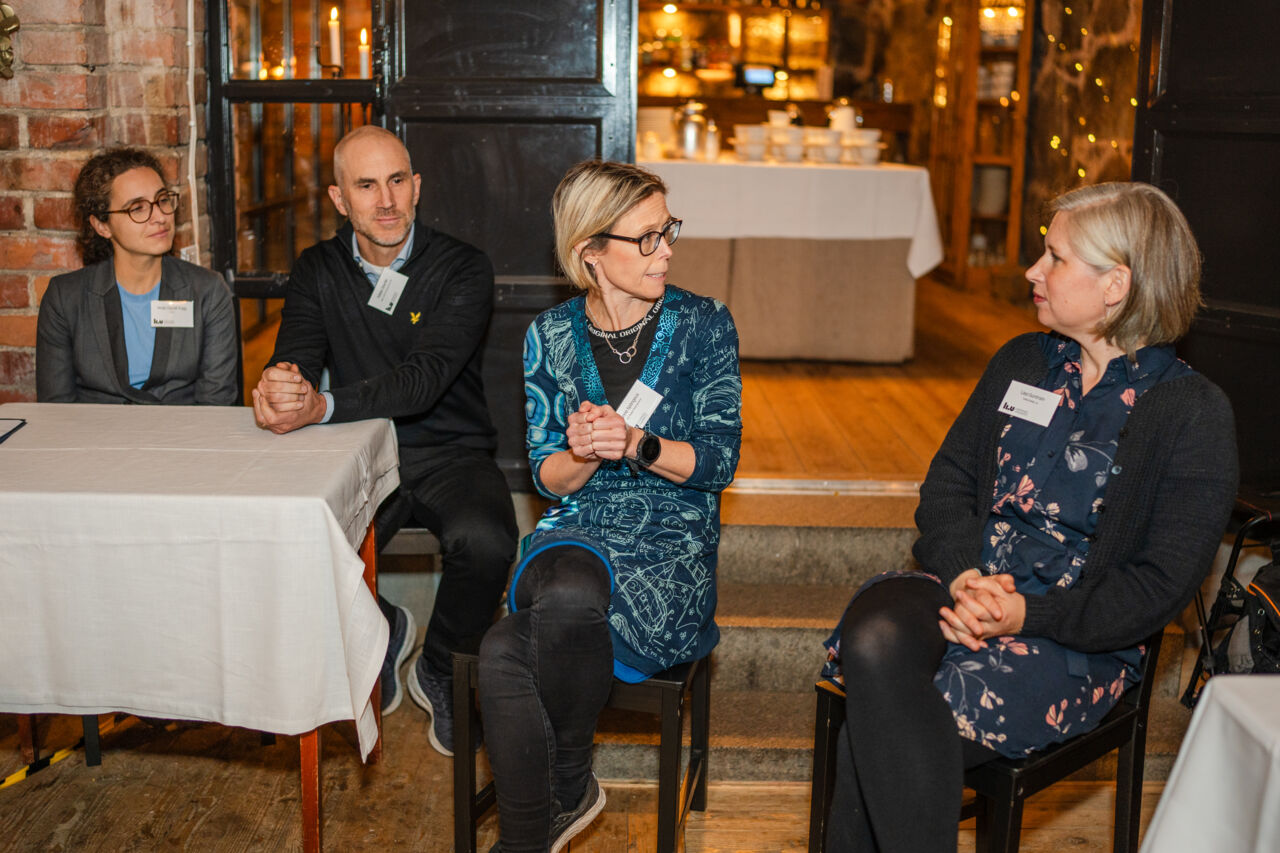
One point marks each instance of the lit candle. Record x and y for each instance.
(365, 66)
(335, 38)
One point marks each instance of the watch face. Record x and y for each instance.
(648, 449)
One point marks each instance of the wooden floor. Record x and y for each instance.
(193, 787)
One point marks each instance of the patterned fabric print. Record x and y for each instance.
(661, 538)
(1023, 693)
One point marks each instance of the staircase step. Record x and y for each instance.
(771, 634)
(820, 555)
(755, 736)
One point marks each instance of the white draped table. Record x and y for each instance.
(178, 562)
(1224, 791)
(814, 261)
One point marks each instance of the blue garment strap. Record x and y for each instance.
(657, 350)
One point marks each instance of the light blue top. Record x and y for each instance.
(139, 334)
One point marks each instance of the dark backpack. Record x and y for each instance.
(1255, 610)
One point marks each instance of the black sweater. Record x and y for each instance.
(1164, 510)
(420, 365)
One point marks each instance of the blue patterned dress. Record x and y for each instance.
(1022, 693)
(658, 538)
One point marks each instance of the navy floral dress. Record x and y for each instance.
(1022, 693)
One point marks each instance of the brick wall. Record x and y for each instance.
(88, 74)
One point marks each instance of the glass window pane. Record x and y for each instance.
(292, 39)
(283, 168)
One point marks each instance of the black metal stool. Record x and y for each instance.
(663, 694)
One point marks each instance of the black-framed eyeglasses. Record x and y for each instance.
(140, 210)
(648, 241)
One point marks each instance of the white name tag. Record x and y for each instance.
(640, 404)
(1030, 403)
(173, 313)
(386, 293)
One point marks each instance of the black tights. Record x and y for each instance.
(545, 675)
(900, 761)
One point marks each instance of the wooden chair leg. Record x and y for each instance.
(28, 737)
(309, 745)
(669, 771)
(700, 725)
(92, 745)
(369, 555)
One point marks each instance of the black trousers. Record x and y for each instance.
(545, 675)
(459, 495)
(900, 760)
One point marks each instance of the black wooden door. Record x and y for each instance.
(1208, 133)
(495, 99)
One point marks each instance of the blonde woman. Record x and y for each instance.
(619, 577)
(1052, 540)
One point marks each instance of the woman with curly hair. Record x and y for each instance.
(135, 325)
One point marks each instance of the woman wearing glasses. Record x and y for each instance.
(135, 325)
(633, 409)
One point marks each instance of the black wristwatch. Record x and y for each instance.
(648, 450)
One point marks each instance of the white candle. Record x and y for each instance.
(335, 38)
(365, 65)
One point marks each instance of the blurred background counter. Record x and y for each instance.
(815, 262)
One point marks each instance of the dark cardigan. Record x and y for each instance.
(1165, 507)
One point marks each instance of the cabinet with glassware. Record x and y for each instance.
(979, 131)
(776, 49)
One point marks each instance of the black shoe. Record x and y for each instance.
(566, 825)
(403, 635)
(433, 692)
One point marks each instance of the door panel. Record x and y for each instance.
(495, 100)
(1208, 133)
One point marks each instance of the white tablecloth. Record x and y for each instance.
(805, 201)
(178, 562)
(813, 261)
(1224, 791)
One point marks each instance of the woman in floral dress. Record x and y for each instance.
(1072, 510)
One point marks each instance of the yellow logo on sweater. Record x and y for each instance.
(414, 317)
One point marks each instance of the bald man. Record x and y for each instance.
(397, 311)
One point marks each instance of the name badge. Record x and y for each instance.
(386, 293)
(173, 313)
(1030, 403)
(639, 405)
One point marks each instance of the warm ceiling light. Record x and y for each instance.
(668, 72)
(670, 8)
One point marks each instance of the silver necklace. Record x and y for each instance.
(626, 355)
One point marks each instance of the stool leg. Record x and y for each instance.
(700, 738)
(828, 719)
(1004, 826)
(92, 746)
(465, 813)
(669, 771)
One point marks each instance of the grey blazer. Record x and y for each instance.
(80, 351)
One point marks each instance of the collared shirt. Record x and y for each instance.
(372, 273)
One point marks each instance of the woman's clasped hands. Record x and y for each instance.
(985, 606)
(597, 432)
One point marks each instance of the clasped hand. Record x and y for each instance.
(985, 606)
(597, 432)
(284, 400)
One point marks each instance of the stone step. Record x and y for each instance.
(817, 555)
(771, 634)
